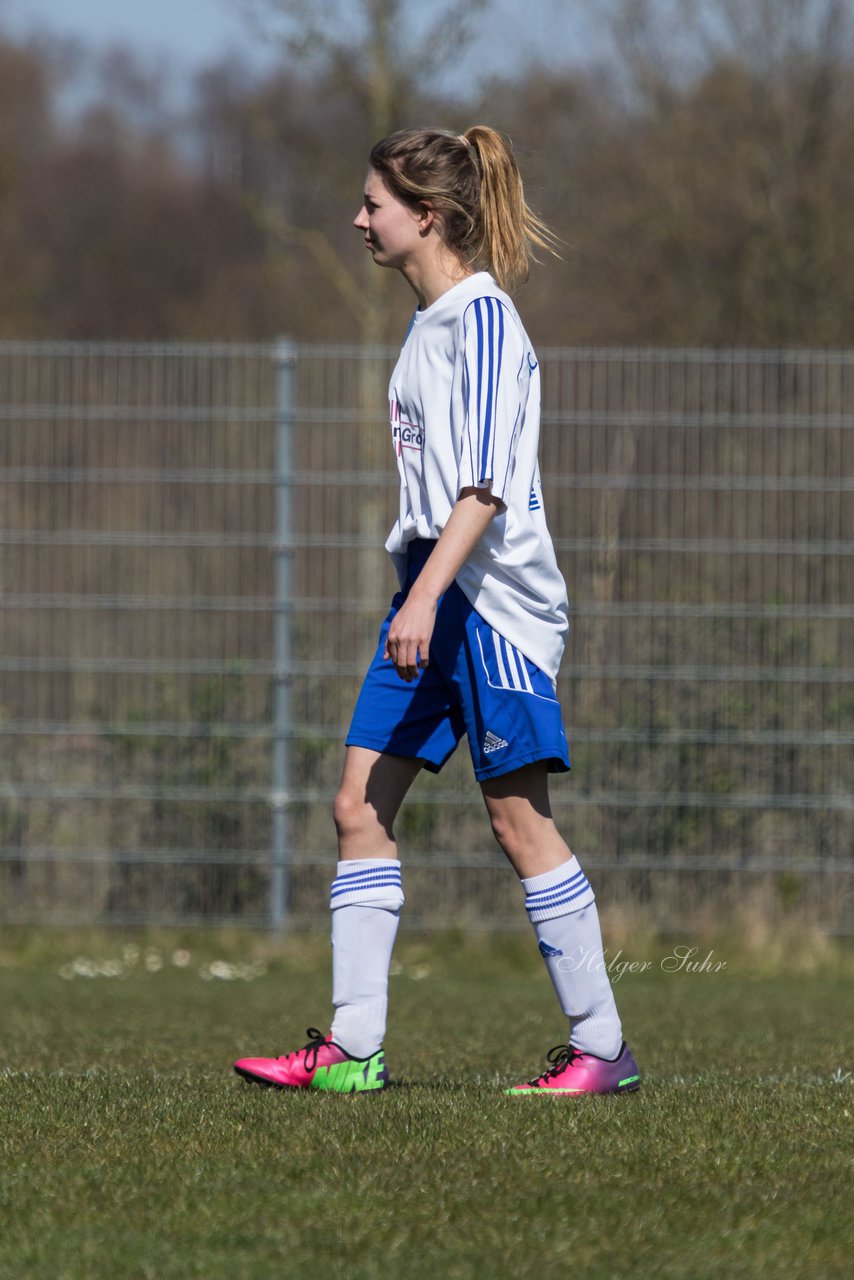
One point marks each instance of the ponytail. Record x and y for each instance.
(473, 181)
(509, 228)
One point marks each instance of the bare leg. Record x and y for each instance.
(373, 787)
(521, 817)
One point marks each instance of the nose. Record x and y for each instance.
(361, 219)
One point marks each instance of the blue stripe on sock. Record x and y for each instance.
(368, 876)
(356, 881)
(558, 899)
(558, 902)
(576, 885)
(537, 894)
(368, 871)
(364, 888)
(549, 887)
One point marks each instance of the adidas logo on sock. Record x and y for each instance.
(492, 742)
(547, 950)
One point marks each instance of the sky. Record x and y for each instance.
(187, 32)
(192, 33)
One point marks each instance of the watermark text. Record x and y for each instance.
(682, 959)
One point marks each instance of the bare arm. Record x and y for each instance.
(410, 632)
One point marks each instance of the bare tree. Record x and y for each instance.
(385, 54)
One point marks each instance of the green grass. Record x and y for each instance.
(129, 1149)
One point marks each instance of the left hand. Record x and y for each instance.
(409, 635)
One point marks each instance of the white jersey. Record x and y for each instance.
(465, 412)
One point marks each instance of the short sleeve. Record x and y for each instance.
(495, 356)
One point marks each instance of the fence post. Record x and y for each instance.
(285, 358)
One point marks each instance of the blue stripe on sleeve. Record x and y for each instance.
(498, 363)
(495, 313)
(479, 321)
(490, 394)
(487, 434)
(487, 392)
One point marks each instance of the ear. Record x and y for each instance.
(426, 217)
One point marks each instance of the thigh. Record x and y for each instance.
(524, 790)
(521, 817)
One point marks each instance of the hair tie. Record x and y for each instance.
(461, 137)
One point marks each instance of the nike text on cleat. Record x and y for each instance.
(574, 1072)
(492, 742)
(320, 1064)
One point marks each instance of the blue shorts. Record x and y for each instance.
(476, 683)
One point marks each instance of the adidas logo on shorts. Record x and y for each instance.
(492, 742)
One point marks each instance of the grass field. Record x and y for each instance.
(129, 1148)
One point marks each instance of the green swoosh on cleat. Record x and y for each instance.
(350, 1077)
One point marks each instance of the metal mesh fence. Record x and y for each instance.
(193, 576)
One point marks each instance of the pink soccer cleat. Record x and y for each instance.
(320, 1064)
(577, 1072)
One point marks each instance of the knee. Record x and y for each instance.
(519, 829)
(349, 812)
(505, 831)
(356, 818)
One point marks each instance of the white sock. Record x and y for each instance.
(562, 909)
(366, 900)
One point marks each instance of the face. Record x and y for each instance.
(393, 231)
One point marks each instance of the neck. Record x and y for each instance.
(431, 279)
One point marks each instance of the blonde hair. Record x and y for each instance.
(473, 181)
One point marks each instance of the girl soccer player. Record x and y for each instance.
(474, 637)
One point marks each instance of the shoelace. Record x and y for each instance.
(562, 1055)
(316, 1039)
